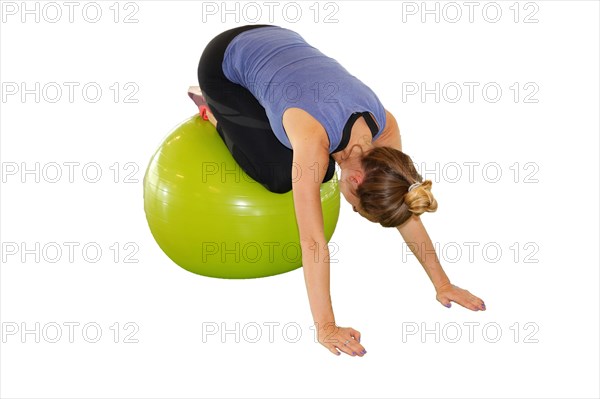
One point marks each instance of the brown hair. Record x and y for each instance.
(383, 193)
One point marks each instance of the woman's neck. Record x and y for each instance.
(360, 139)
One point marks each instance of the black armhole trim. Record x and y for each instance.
(371, 123)
(348, 128)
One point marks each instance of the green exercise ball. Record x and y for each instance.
(212, 219)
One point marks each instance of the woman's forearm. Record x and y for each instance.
(315, 263)
(420, 244)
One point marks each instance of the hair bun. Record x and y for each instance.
(420, 199)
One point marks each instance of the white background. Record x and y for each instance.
(551, 283)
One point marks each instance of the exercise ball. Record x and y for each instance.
(211, 218)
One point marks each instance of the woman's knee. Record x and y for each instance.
(279, 186)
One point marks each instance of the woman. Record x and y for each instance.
(288, 113)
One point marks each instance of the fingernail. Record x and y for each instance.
(364, 351)
(353, 353)
(448, 305)
(338, 353)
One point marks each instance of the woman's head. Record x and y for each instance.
(379, 189)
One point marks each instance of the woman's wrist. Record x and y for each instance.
(441, 285)
(324, 324)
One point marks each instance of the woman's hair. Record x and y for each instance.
(383, 193)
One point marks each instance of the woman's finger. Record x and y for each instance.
(344, 348)
(348, 345)
(469, 304)
(333, 350)
(355, 334)
(356, 348)
(479, 303)
(475, 302)
(445, 301)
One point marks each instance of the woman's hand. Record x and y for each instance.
(345, 339)
(450, 293)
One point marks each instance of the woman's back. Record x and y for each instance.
(283, 71)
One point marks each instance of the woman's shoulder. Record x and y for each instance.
(300, 125)
(390, 137)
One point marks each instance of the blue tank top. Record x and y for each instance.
(283, 71)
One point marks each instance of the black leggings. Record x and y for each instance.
(242, 121)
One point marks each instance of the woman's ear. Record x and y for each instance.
(356, 178)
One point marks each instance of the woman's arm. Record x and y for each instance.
(414, 234)
(311, 158)
(308, 158)
(418, 241)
